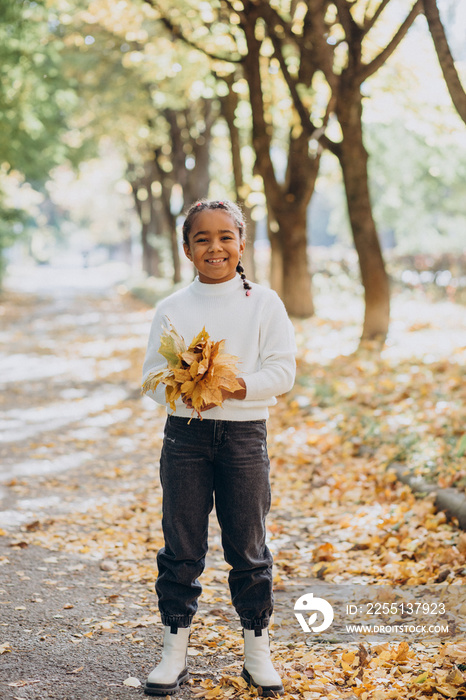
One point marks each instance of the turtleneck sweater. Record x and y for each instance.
(256, 329)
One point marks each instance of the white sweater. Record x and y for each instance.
(256, 329)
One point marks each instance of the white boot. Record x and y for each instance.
(171, 671)
(258, 669)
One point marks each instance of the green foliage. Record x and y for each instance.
(34, 96)
(35, 101)
(417, 145)
(74, 73)
(11, 220)
(417, 155)
(418, 193)
(127, 72)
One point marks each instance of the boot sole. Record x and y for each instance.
(267, 691)
(166, 688)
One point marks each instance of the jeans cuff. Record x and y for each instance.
(176, 620)
(261, 623)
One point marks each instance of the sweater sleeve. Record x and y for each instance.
(277, 370)
(153, 361)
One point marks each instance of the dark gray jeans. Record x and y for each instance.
(228, 459)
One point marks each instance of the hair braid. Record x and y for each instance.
(246, 285)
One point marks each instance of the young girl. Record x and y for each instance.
(224, 455)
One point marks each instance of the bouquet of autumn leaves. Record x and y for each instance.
(197, 373)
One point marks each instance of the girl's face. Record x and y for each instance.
(215, 246)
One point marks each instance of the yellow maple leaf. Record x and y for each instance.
(191, 356)
(199, 340)
(171, 345)
(447, 690)
(199, 373)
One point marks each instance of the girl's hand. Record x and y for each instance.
(189, 404)
(239, 394)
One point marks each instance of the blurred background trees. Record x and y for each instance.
(331, 122)
(35, 101)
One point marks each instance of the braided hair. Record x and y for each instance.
(236, 214)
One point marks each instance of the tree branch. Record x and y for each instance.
(324, 52)
(310, 129)
(447, 64)
(354, 35)
(367, 70)
(346, 19)
(272, 18)
(370, 21)
(317, 133)
(291, 82)
(178, 34)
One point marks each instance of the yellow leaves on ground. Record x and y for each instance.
(337, 514)
(228, 687)
(393, 673)
(199, 373)
(385, 672)
(330, 445)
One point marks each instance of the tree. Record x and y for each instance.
(190, 133)
(304, 41)
(333, 36)
(353, 157)
(409, 127)
(230, 110)
(236, 37)
(139, 94)
(288, 199)
(447, 64)
(35, 101)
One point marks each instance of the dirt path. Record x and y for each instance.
(76, 436)
(80, 525)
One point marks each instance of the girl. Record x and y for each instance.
(224, 454)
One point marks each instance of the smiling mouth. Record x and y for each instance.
(216, 261)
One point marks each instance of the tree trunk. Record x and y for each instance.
(167, 181)
(248, 259)
(353, 159)
(198, 179)
(276, 255)
(447, 64)
(287, 202)
(170, 221)
(297, 295)
(175, 252)
(150, 255)
(229, 104)
(290, 250)
(194, 182)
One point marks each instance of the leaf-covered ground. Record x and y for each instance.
(79, 484)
